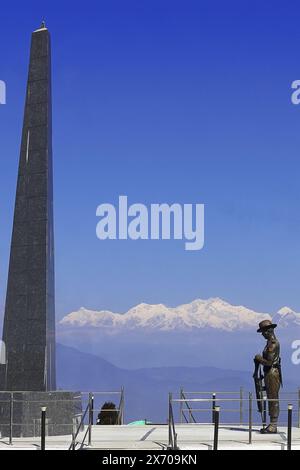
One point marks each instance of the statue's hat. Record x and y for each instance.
(265, 325)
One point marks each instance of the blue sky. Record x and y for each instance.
(164, 101)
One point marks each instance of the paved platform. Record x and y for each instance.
(155, 437)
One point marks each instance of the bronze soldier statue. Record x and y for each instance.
(271, 362)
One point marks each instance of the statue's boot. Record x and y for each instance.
(271, 429)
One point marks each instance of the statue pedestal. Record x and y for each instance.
(21, 412)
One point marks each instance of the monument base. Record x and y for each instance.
(20, 413)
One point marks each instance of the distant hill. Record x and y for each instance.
(146, 390)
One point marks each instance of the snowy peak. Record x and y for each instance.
(285, 311)
(212, 313)
(287, 316)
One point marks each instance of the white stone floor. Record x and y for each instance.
(155, 437)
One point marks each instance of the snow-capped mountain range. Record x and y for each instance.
(212, 313)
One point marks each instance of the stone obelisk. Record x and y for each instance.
(29, 322)
(27, 378)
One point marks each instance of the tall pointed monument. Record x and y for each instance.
(27, 377)
(29, 322)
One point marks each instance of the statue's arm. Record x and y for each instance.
(270, 356)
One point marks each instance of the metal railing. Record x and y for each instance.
(182, 411)
(88, 416)
(43, 424)
(185, 407)
(189, 407)
(188, 411)
(21, 417)
(171, 425)
(246, 403)
(121, 410)
(87, 412)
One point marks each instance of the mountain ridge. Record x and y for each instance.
(211, 313)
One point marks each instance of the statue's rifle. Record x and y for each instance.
(259, 388)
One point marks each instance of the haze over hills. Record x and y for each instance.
(146, 390)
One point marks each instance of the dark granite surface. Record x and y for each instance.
(29, 322)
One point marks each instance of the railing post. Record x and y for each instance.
(91, 412)
(181, 405)
(289, 431)
(11, 418)
(241, 404)
(120, 409)
(250, 418)
(43, 428)
(169, 422)
(73, 445)
(123, 406)
(216, 427)
(298, 407)
(213, 407)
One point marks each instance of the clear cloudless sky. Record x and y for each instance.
(164, 101)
